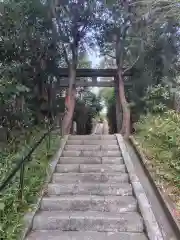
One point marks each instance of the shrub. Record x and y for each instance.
(11, 209)
(159, 136)
(157, 98)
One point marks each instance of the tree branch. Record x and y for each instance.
(65, 55)
(125, 27)
(74, 49)
(109, 55)
(129, 68)
(65, 9)
(84, 28)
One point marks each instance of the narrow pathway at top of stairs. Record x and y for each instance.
(101, 128)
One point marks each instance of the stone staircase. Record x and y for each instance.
(90, 196)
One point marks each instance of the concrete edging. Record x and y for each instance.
(151, 225)
(164, 200)
(29, 217)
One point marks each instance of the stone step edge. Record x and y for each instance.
(91, 142)
(29, 217)
(55, 217)
(88, 198)
(151, 224)
(91, 153)
(80, 235)
(90, 168)
(92, 146)
(66, 177)
(91, 160)
(118, 188)
(92, 137)
(87, 202)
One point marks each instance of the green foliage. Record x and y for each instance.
(88, 106)
(107, 96)
(75, 21)
(156, 43)
(28, 62)
(155, 46)
(32, 49)
(158, 64)
(159, 137)
(35, 173)
(163, 8)
(157, 98)
(121, 35)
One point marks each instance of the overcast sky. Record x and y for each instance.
(95, 59)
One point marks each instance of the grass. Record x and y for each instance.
(159, 138)
(11, 209)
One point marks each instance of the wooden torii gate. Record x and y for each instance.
(92, 76)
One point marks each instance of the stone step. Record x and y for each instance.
(91, 147)
(59, 235)
(100, 189)
(116, 204)
(90, 196)
(91, 160)
(92, 137)
(92, 142)
(76, 160)
(103, 153)
(90, 177)
(85, 168)
(84, 137)
(88, 221)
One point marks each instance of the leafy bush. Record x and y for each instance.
(35, 171)
(157, 98)
(159, 137)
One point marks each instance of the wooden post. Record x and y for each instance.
(118, 105)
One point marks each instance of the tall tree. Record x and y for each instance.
(162, 9)
(118, 38)
(73, 20)
(27, 61)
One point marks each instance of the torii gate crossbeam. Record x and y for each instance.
(110, 74)
(112, 81)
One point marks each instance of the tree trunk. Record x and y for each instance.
(70, 104)
(125, 130)
(118, 106)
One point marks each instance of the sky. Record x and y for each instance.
(95, 59)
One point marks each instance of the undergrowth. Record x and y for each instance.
(11, 209)
(159, 138)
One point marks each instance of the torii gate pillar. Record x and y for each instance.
(118, 105)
